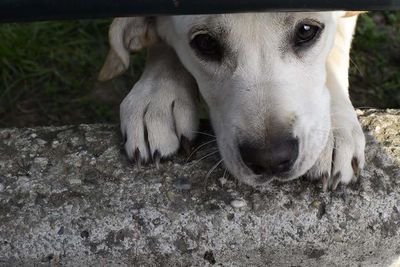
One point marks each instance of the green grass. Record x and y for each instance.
(48, 71)
(375, 72)
(48, 74)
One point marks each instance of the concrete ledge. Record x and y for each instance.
(68, 196)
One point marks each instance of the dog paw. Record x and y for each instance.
(343, 157)
(157, 116)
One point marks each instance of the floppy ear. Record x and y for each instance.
(352, 13)
(127, 35)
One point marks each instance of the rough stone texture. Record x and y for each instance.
(69, 196)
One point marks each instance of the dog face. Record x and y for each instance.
(263, 78)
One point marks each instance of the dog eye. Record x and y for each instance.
(207, 46)
(306, 33)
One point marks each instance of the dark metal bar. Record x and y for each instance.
(33, 10)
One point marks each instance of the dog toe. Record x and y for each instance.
(161, 136)
(136, 148)
(349, 156)
(155, 122)
(343, 157)
(185, 115)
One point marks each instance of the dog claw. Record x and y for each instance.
(157, 159)
(324, 180)
(355, 166)
(138, 160)
(336, 180)
(186, 145)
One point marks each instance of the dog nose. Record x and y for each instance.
(274, 159)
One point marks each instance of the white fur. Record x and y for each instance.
(162, 104)
(262, 86)
(396, 263)
(347, 139)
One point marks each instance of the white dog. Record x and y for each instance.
(276, 85)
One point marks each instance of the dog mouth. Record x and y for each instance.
(265, 171)
(283, 159)
(255, 174)
(263, 176)
(258, 175)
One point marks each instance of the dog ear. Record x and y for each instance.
(352, 13)
(127, 35)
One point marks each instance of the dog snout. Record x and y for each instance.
(273, 159)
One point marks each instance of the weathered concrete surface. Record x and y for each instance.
(69, 196)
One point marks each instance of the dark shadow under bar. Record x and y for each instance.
(36, 10)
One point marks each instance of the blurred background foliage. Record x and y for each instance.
(48, 71)
(375, 61)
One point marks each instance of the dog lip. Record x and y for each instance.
(264, 179)
(249, 177)
(267, 176)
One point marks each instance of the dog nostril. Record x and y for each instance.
(276, 159)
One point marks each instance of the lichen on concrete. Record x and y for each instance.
(69, 196)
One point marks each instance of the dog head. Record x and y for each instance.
(262, 75)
